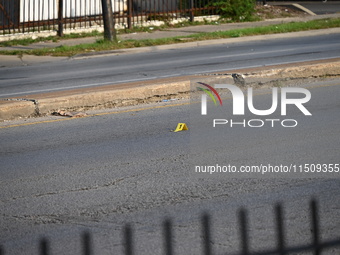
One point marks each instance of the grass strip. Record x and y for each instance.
(102, 45)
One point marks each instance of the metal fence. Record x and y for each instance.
(21, 16)
(315, 247)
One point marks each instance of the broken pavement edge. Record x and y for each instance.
(112, 96)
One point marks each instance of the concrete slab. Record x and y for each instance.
(16, 109)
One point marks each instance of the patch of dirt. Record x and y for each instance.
(275, 11)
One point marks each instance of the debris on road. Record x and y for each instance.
(69, 114)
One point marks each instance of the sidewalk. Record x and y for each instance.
(8, 61)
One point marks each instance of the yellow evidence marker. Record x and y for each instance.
(181, 127)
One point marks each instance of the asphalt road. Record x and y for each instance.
(59, 178)
(320, 7)
(82, 73)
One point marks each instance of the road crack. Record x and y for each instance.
(88, 188)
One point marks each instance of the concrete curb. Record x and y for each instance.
(154, 91)
(16, 109)
(81, 101)
(300, 7)
(113, 98)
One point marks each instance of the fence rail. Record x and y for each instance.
(316, 246)
(22, 16)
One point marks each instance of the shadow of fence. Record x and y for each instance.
(315, 247)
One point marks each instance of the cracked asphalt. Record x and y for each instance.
(61, 176)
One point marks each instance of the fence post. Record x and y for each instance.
(109, 26)
(191, 10)
(61, 18)
(87, 246)
(44, 248)
(244, 232)
(168, 238)
(315, 228)
(128, 242)
(129, 14)
(207, 249)
(280, 230)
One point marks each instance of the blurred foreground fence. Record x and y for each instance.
(22, 16)
(315, 247)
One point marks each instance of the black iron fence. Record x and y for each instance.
(315, 247)
(21, 16)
